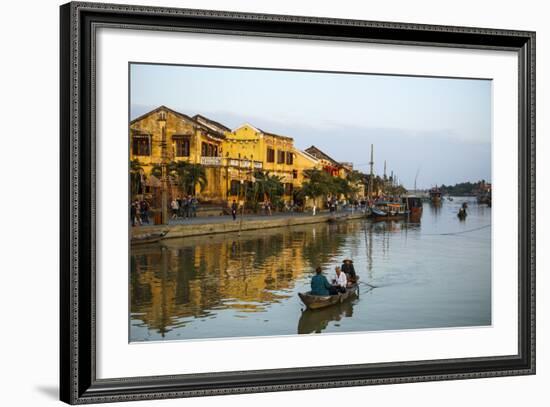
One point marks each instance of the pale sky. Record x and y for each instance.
(438, 127)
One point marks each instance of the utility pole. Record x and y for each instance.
(371, 176)
(163, 163)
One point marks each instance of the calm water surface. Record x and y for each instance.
(432, 274)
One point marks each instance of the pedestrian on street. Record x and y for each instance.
(138, 212)
(144, 211)
(180, 207)
(234, 210)
(194, 203)
(175, 208)
(133, 214)
(187, 206)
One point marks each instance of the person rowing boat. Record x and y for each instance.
(324, 294)
(320, 285)
(349, 270)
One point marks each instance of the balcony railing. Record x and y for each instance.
(216, 161)
(232, 162)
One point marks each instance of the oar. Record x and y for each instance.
(367, 284)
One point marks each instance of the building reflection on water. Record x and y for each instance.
(181, 280)
(229, 286)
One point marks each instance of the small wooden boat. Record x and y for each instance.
(378, 212)
(323, 301)
(148, 237)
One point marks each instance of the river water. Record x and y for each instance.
(432, 274)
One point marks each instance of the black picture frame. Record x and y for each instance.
(78, 382)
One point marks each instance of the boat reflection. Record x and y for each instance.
(316, 321)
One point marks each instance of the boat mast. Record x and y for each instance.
(371, 179)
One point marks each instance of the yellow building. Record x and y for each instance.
(230, 157)
(248, 149)
(183, 139)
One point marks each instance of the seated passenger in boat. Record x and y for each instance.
(320, 284)
(340, 280)
(349, 270)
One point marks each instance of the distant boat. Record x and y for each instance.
(435, 195)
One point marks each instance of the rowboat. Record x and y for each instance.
(323, 301)
(378, 212)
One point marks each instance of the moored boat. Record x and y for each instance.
(322, 301)
(414, 205)
(148, 237)
(435, 195)
(384, 210)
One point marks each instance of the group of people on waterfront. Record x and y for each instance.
(139, 212)
(343, 278)
(353, 204)
(185, 207)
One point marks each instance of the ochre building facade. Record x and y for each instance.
(229, 157)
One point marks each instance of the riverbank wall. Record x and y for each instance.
(232, 226)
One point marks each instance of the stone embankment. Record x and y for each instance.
(231, 226)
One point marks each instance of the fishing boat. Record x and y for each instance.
(435, 195)
(384, 210)
(322, 301)
(414, 205)
(148, 237)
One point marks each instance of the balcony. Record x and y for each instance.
(211, 161)
(233, 162)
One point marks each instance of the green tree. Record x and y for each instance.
(319, 184)
(136, 175)
(188, 176)
(265, 186)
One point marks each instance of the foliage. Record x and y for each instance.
(264, 186)
(462, 188)
(185, 175)
(136, 174)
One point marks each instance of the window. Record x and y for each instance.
(141, 145)
(209, 150)
(294, 174)
(270, 155)
(288, 188)
(182, 146)
(280, 157)
(289, 158)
